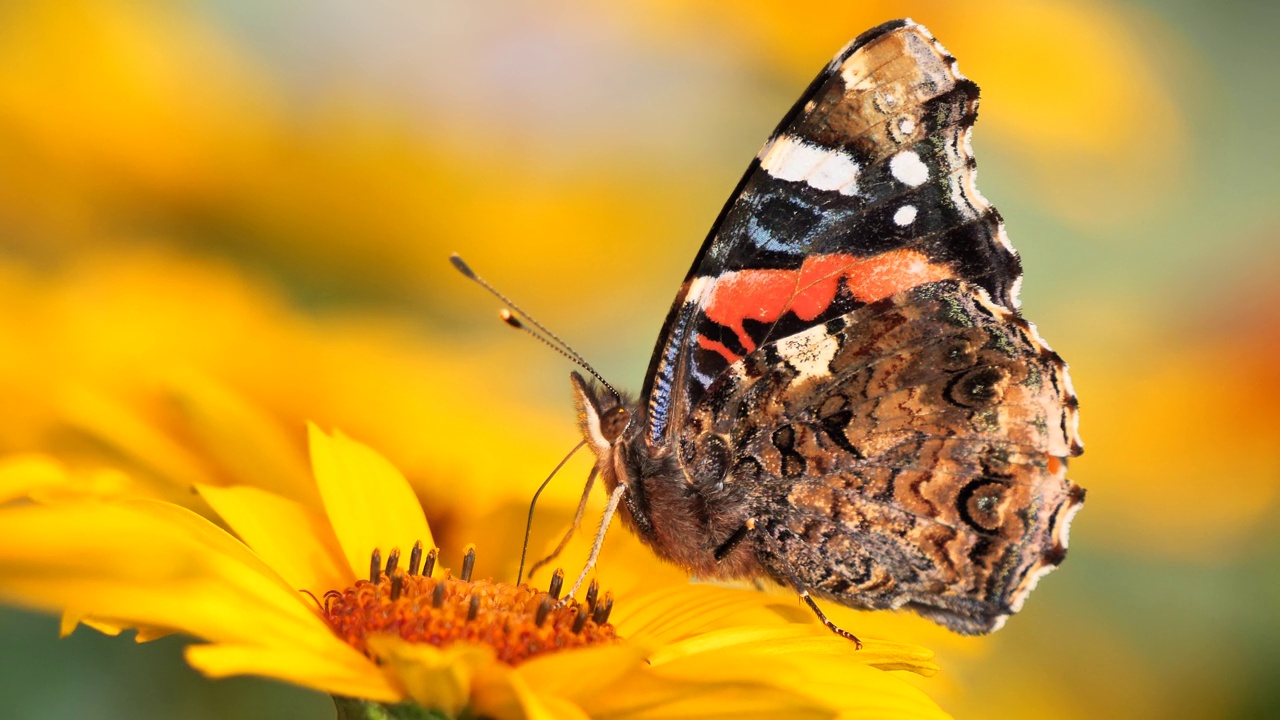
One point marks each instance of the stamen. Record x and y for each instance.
(601, 613)
(314, 599)
(415, 558)
(544, 609)
(375, 565)
(393, 560)
(430, 565)
(468, 563)
(518, 621)
(557, 583)
(592, 591)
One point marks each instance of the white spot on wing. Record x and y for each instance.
(1003, 238)
(908, 169)
(1029, 584)
(1016, 288)
(768, 147)
(1001, 312)
(839, 56)
(790, 158)
(697, 287)
(905, 215)
(1064, 525)
(809, 352)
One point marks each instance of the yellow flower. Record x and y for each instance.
(184, 372)
(283, 598)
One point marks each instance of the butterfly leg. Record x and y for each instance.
(577, 521)
(735, 539)
(609, 510)
(804, 595)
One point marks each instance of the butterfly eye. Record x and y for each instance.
(614, 422)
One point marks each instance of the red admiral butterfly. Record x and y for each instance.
(844, 397)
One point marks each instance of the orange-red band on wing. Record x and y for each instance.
(765, 295)
(707, 343)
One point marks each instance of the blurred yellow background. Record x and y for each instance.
(249, 208)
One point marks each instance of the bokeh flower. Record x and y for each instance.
(282, 598)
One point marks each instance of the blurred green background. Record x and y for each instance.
(268, 193)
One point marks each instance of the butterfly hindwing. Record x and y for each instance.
(907, 453)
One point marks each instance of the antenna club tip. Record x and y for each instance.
(461, 266)
(506, 317)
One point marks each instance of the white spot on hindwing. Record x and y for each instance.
(1029, 584)
(1062, 533)
(809, 352)
(905, 215)
(908, 169)
(790, 158)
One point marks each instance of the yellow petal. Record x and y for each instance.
(436, 678)
(130, 437)
(580, 674)
(461, 675)
(22, 475)
(245, 442)
(300, 668)
(508, 696)
(671, 614)
(540, 706)
(71, 619)
(802, 640)
(157, 565)
(45, 480)
(295, 540)
(649, 695)
(369, 502)
(819, 685)
(855, 689)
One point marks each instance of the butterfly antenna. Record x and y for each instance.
(541, 333)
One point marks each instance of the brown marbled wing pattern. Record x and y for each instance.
(919, 461)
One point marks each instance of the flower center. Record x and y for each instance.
(517, 621)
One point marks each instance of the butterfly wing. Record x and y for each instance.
(910, 453)
(866, 188)
(846, 359)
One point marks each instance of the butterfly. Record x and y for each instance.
(845, 398)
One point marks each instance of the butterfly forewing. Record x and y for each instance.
(865, 189)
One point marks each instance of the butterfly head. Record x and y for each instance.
(604, 416)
